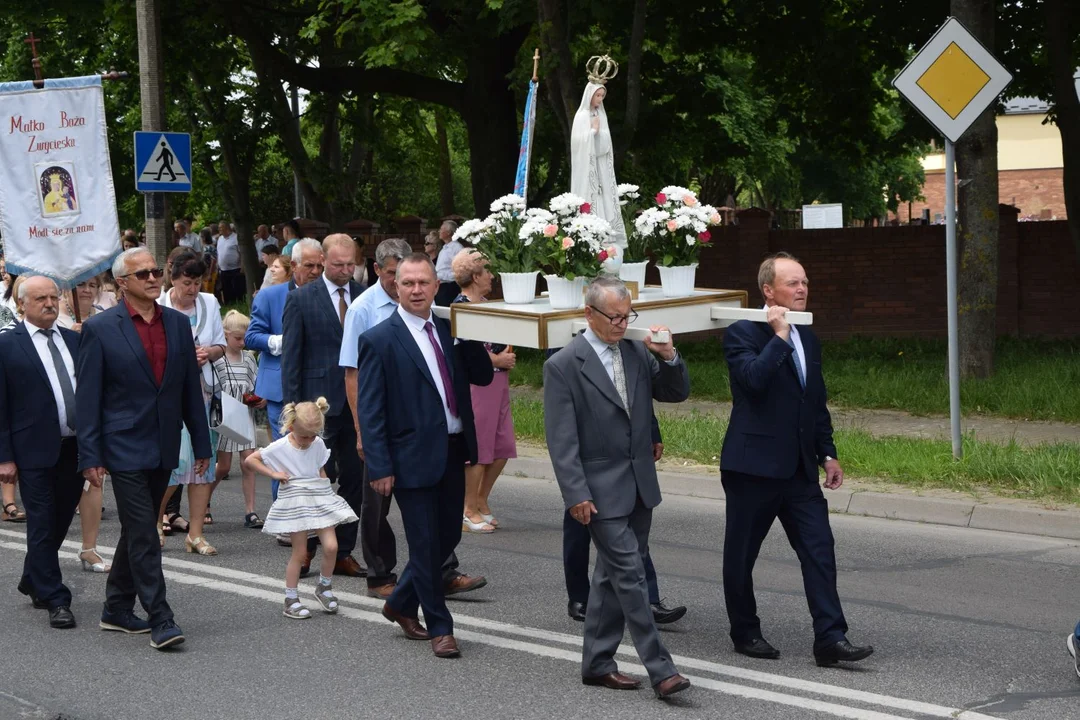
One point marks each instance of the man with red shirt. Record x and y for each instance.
(138, 381)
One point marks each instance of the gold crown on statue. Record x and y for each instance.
(601, 68)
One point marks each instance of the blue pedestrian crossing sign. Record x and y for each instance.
(162, 162)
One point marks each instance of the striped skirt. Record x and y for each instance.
(307, 504)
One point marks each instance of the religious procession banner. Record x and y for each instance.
(57, 202)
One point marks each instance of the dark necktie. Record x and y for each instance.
(342, 306)
(444, 371)
(795, 359)
(65, 379)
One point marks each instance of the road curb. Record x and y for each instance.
(1001, 516)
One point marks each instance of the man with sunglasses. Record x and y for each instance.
(603, 461)
(138, 381)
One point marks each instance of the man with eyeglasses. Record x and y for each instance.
(603, 461)
(138, 381)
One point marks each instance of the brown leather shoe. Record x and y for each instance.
(445, 646)
(305, 569)
(381, 591)
(464, 584)
(411, 626)
(666, 688)
(614, 680)
(348, 566)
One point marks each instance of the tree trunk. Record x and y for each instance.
(977, 217)
(633, 83)
(560, 82)
(1059, 38)
(446, 176)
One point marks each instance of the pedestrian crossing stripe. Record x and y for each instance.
(164, 166)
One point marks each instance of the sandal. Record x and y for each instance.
(481, 527)
(208, 519)
(96, 564)
(16, 515)
(160, 537)
(199, 546)
(296, 610)
(175, 519)
(252, 520)
(166, 527)
(325, 595)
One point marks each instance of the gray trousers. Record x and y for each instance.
(619, 597)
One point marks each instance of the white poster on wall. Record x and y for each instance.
(818, 217)
(57, 202)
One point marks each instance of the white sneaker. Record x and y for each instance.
(1070, 643)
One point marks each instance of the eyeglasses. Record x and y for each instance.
(144, 275)
(617, 320)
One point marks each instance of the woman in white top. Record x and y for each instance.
(205, 316)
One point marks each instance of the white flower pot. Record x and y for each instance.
(634, 272)
(518, 288)
(678, 281)
(613, 264)
(565, 294)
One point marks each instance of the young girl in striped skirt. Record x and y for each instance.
(305, 501)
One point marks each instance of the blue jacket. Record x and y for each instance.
(774, 423)
(400, 410)
(29, 418)
(125, 420)
(266, 314)
(311, 346)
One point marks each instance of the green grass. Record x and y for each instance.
(1043, 472)
(1034, 379)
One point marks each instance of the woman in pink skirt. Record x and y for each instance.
(491, 405)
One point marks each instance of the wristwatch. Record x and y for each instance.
(827, 459)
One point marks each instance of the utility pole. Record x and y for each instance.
(298, 196)
(152, 93)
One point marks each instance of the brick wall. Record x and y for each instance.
(890, 281)
(1036, 193)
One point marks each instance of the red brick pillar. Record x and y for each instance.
(1008, 294)
(752, 245)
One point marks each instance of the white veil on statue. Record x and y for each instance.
(592, 163)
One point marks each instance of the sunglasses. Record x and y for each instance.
(144, 275)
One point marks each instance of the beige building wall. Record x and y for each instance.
(1024, 143)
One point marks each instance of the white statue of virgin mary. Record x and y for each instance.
(592, 163)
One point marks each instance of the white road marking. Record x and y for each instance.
(374, 616)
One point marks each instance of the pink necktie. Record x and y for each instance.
(444, 371)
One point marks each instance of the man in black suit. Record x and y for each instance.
(415, 412)
(311, 332)
(139, 382)
(37, 440)
(780, 432)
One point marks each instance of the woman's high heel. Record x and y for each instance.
(89, 565)
(199, 546)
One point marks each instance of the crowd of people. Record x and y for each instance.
(363, 388)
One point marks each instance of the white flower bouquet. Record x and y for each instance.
(677, 226)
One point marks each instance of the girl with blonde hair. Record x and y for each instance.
(305, 500)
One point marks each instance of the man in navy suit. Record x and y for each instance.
(138, 383)
(415, 412)
(312, 328)
(37, 440)
(780, 432)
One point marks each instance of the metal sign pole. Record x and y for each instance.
(950, 284)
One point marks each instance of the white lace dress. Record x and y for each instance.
(306, 501)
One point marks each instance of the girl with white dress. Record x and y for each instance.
(305, 500)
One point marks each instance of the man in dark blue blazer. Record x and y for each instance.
(415, 411)
(780, 432)
(138, 383)
(312, 328)
(37, 440)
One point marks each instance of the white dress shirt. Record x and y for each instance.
(41, 344)
(228, 253)
(604, 352)
(416, 328)
(333, 289)
(192, 241)
(444, 265)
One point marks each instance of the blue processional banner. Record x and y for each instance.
(521, 181)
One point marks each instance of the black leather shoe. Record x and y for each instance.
(60, 617)
(28, 591)
(758, 648)
(662, 615)
(576, 611)
(842, 651)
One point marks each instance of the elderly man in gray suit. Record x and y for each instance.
(598, 394)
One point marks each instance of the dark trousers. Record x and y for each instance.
(173, 506)
(432, 520)
(136, 566)
(446, 293)
(50, 496)
(575, 546)
(233, 286)
(752, 505)
(348, 470)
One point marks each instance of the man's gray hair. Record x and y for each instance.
(21, 295)
(120, 264)
(449, 225)
(604, 285)
(302, 245)
(395, 248)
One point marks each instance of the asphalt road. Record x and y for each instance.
(966, 623)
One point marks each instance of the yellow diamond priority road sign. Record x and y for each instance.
(952, 79)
